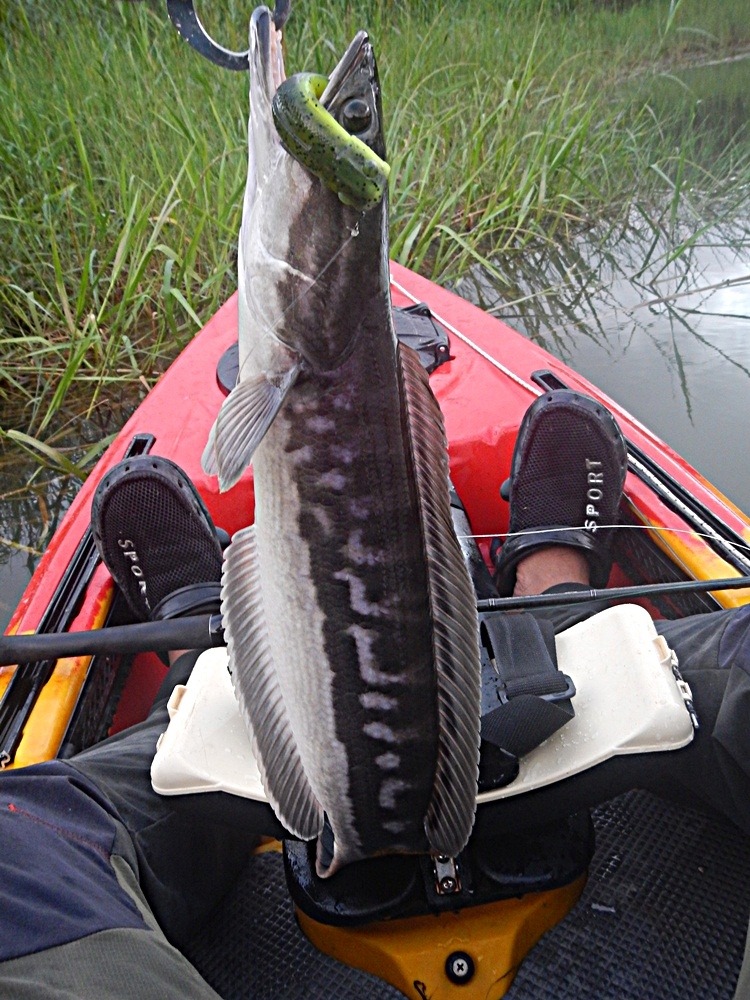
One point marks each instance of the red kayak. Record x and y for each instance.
(678, 527)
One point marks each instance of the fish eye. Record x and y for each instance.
(356, 115)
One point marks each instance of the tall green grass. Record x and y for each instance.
(123, 158)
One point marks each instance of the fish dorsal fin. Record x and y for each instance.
(450, 815)
(257, 688)
(245, 416)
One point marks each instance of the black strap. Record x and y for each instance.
(195, 599)
(416, 328)
(532, 698)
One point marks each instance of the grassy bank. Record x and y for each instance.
(123, 161)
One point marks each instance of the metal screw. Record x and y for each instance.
(459, 968)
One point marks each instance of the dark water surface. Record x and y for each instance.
(661, 339)
(663, 331)
(669, 339)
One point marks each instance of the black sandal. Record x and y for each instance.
(156, 537)
(565, 486)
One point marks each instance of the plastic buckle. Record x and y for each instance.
(684, 688)
(566, 695)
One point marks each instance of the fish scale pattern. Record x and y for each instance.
(664, 916)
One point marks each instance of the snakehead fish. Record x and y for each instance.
(349, 614)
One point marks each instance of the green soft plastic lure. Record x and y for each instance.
(312, 136)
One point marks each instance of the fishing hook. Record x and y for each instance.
(183, 16)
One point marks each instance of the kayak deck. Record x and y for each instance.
(483, 390)
(663, 915)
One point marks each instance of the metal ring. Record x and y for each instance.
(183, 16)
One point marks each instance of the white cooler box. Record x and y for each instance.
(627, 701)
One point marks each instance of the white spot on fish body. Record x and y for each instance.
(358, 596)
(390, 788)
(388, 761)
(394, 826)
(333, 480)
(376, 701)
(359, 508)
(344, 453)
(323, 517)
(358, 553)
(342, 401)
(303, 455)
(369, 671)
(379, 731)
(319, 424)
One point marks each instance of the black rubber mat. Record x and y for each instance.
(664, 916)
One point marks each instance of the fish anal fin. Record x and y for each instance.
(258, 692)
(243, 420)
(450, 815)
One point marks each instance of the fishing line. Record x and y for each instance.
(701, 527)
(619, 527)
(534, 390)
(353, 234)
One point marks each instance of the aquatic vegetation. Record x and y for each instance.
(122, 162)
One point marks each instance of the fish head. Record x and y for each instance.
(352, 96)
(313, 257)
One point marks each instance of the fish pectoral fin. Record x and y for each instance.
(450, 815)
(259, 694)
(245, 416)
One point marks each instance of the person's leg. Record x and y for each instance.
(713, 650)
(76, 925)
(100, 877)
(188, 858)
(158, 541)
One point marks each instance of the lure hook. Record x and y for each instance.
(183, 16)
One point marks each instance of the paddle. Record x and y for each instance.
(206, 631)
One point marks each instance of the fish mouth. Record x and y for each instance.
(352, 95)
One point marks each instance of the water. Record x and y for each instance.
(31, 507)
(34, 499)
(668, 340)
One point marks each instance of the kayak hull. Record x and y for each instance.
(493, 375)
(483, 391)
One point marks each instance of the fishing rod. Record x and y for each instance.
(207, 631)
(191, 632)
(611, 594)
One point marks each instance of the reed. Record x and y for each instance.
(123, 159)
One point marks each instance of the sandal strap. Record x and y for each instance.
(517, 547)
(195, 599)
